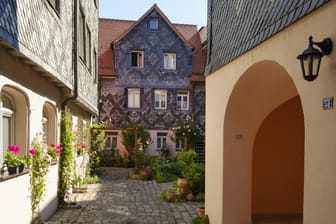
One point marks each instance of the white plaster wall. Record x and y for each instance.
(15, 194)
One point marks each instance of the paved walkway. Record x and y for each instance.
(118, 200)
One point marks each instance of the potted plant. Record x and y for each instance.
(14, 161)
(201, 211)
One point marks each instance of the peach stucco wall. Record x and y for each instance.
(227, 189)
(278, 162)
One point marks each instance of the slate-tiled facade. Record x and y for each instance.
(45, 36)
(237, 26)
(154, 43)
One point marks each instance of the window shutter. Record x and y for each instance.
(126, 98)
(141, 97)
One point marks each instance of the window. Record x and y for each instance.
(111, 140)
(154, 24)
(137, 59)
(54, 4)
(81, 28)
(178, 146)
(95, 71)
(160, 99)
(169, 61)
(133, 98)
(183, 100)
(45, 124)
(6, 111)
(49, 122)
(88, 47)
(161, 140)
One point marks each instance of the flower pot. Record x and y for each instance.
(182, 182)
(171, 196)
(201, 211)
(15, 169)
(11, 170)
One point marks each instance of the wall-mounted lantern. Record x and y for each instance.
(310, 58)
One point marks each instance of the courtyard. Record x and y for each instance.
(117, 199)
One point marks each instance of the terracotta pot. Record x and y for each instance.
(182, 182)
(201, 211)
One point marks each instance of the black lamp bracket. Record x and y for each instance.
(325, 45)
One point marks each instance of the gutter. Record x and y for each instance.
(74, 56)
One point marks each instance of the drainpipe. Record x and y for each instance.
(74, 56)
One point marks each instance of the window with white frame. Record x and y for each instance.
(169, 61)
(81, 34)
(137, 59)
(111, 141)
(161, 140)
(178, 145)
(133, 98)
(182, 100)
(88, 47)
(160, 99)
(154, 24)
(45, 124)
(7, 116)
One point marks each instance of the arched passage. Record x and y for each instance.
(262, 89)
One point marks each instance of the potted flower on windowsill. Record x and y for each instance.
(14, 161)
(54, 152)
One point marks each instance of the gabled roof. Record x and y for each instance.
(157, 9)
(112, 30)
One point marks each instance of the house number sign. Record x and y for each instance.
(328, 103)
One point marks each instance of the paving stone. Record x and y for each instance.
(118, 200)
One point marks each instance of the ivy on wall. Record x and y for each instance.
(39, 170)
(66, 158)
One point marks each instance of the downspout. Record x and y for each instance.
(74, 56)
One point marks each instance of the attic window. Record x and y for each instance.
(137, 59)
(154, 24)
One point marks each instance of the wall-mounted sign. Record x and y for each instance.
(328, 103)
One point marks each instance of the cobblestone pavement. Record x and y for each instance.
(118, 200)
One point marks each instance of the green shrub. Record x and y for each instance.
(185, 159)
(165, 170)
(196, 175)
(196, 220)
(90, 179)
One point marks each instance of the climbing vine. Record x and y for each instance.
(67, 156)
(39, 169)
(96, 147)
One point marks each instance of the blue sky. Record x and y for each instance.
(178, 11)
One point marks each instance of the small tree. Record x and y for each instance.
(187, 132)
(97, 146)
(134, 137)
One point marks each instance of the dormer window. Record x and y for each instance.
(154, 24)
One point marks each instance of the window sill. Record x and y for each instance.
(8, 177)
(24, 172)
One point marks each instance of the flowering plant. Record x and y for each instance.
(54, 150)
(81, 148)
(187, 132)
(13, 158)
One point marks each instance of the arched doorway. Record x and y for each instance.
(259, 133)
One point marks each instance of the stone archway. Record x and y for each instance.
(261, 90)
